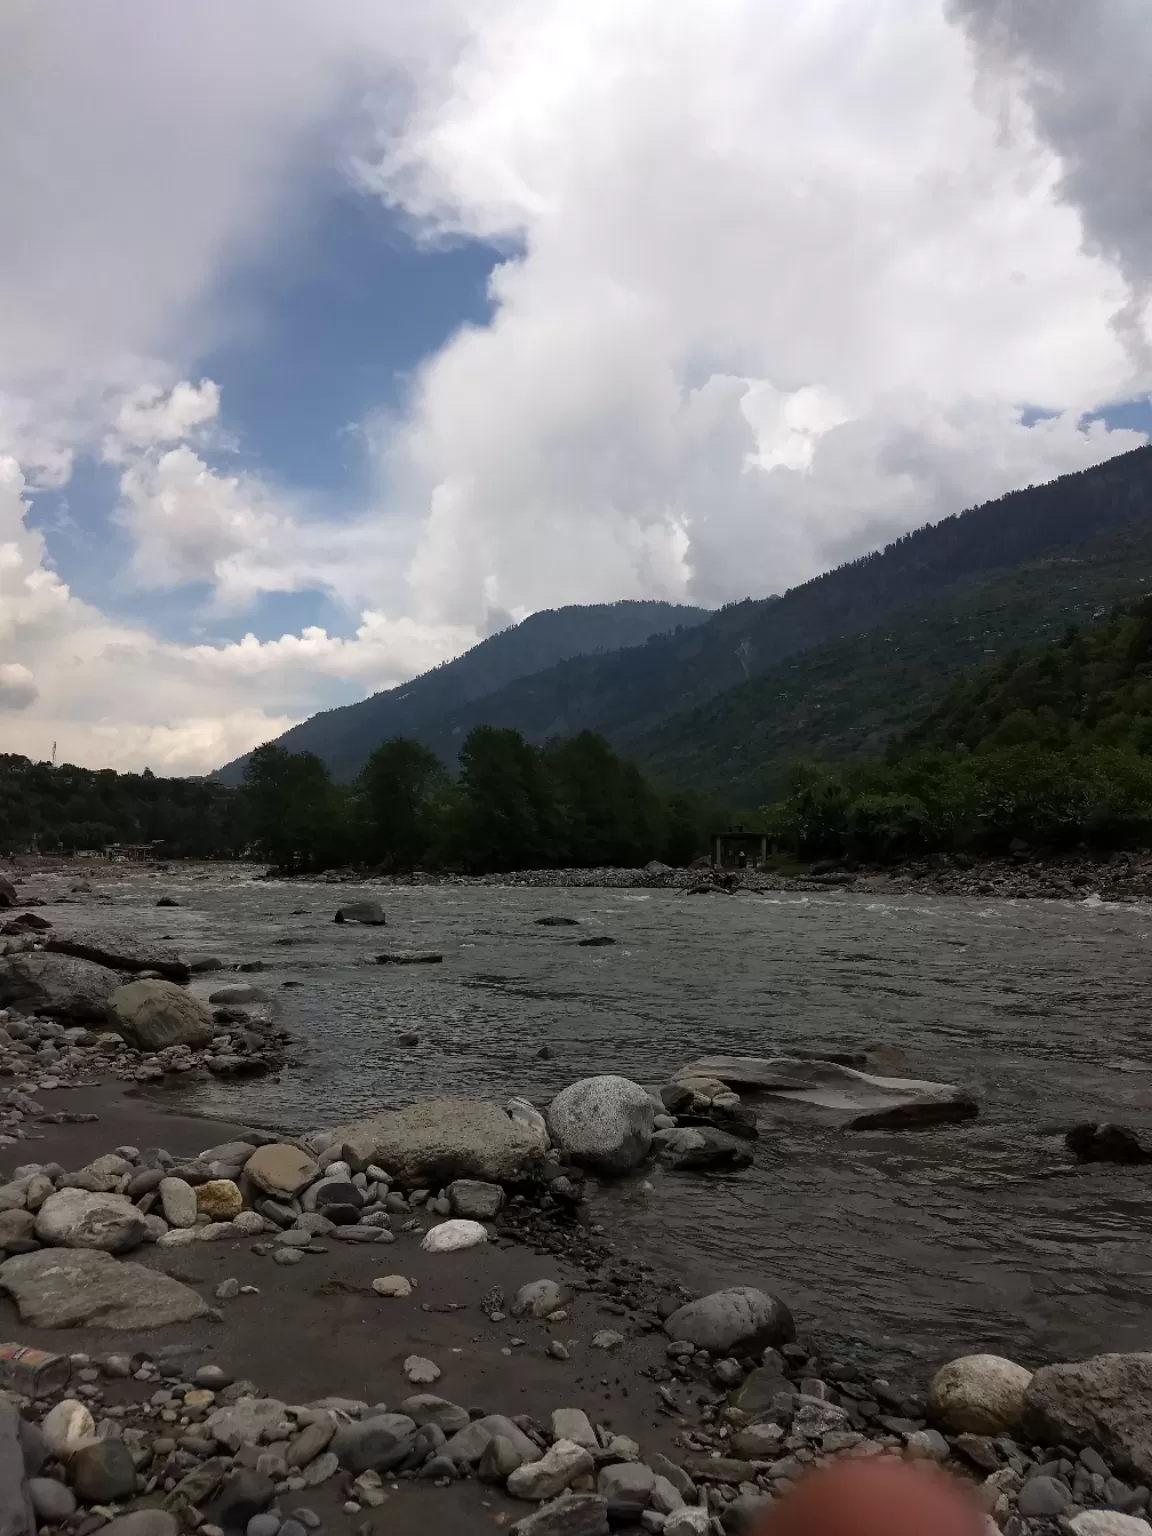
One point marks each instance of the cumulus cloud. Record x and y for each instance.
(114, 695)
(1083, 71)
(776, 261)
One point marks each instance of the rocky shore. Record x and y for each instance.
(412, 1316)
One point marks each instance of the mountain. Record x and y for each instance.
(632, 693)
(344, 737)
(628, 694)
(846, 700)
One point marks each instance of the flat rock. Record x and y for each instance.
(556, 1470)
(57, 985)
(80, 1218)
(122, 952)
(370, 913)
(440, 1140)
(410, 957)
(281, 1169)
(237, 996)
(873, 1103)
(153, 1015)
(425, 1408)
(374, 1444)
(78, 1287)
(603, 1122)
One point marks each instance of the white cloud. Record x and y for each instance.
(114, 695)
(777, 263)
(784, 284)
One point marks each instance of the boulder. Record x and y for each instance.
(604, 1123)
(540, 1298)
(374, 1444)
(1103, 1522)
(248, 1419)
(741, 1321)
(475, 1199)
(371, 913)
(1096, 1142)
(79, 1218)
(425, 1408)
(16, 1226)
(122, 952)
(103, 1471)
(526, 1114)
(868, 1102)
(9, 895)
(627, 1485)
(433, 1143)
(280, 1169)
(57, 985)
(1104, 1402)
(152, 1015)
(979, 1394)
(78, 1288)
(691, 1146)
(66, 1427)
(556, 1470)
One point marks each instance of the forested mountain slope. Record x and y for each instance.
(847, 699)
(342, 738)
(628, 694)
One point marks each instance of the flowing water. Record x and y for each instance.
(982, 1235)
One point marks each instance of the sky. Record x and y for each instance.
(333, 338)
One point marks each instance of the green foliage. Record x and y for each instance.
(299, 819)
(69, 808)
(397, 788)
(514, 806)
(1052, 746)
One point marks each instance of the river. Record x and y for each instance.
(922, 1244)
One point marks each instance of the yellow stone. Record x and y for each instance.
(219, 1199)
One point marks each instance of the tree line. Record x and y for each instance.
(574, 803)
(1052, 746)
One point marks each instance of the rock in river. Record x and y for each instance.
(238, 996)
(979, 1394)
(603, 1122)
(690, 1146)
(1093, 1142)
(78, 1288)
(740, 1321)
(57, 985)
(122, 952)
(153, 1015)
(1104, 1402)
(871, 1103)
(370, 913)
(433, 1143)
(77, 1218)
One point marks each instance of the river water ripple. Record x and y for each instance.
(980, 1236)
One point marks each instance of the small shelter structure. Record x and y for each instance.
(738, 849)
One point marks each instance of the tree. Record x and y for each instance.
(506, 816)
(396, 787)
(298, 816)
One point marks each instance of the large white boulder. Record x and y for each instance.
(78, 1218)
(979, 1394)
(603, 1123)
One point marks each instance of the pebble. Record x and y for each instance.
(228, 1289)
(287, 1256)
(392, 1285)
(607, 1339)
(1043, 1496)
(421, 1372)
